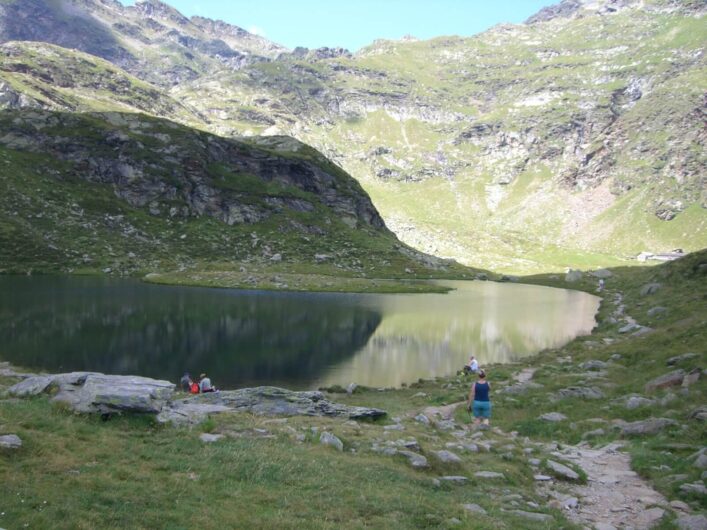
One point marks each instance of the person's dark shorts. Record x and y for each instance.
(482, 409)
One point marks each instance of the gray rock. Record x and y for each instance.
(553, 417)
(562, 471)
(470, 447)
(573, 276)
(520, 388)
(112, 393)
(691, 522)
(593, 434)
(701, 460)
(210, 438)
(604, 526)
(593, 365)
(474, 508)
(31, 386)
(631, 326)
(681, 358)
(649, 426)
(394, 427)
(650, 288)
(657, 310)
(415, 460)
(680, 506)
(10, 441)
(421, 418)
(447, 457)
(535, 462)
(635, 402)
(699, 414)
(454, 479)
(489, 474)
(327, 438)
(696, 487)
(446, 425)
(692, 377)
(542, 478)
(273, 401)
(579, 391)
(601, 273)
(533, 516)
(664, 381)
(181, 413)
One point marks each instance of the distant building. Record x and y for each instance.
(665, 256)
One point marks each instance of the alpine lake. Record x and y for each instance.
(291, 339)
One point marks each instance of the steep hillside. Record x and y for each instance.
(551, 142)
(126, 193)
(576, 139)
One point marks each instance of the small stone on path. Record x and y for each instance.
(562, 470)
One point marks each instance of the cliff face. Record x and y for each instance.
(580, 132)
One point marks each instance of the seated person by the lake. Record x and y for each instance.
(472, 366)
(205, 384)
(185, 382)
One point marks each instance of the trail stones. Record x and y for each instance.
(210, 438)
(10, 441)
(553, 417)
(562, 471)
(474, 508)
(447, 457)
(696, 488)
(649, 426)
(650, 288)
(665, 381)
(489, 475)
(415, 460)
(692, 522)
(533, 516)
(327, 438)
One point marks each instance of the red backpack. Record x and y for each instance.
(194, 389)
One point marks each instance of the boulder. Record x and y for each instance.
(447, 457)
(692, 377)
(274, 401)
(489, 474)
(184, 413)
(421, 418)
(665, 381)
(454, 479)
(415, 460)
(327, 438)
(649, 426)
(650, 288)
(112, 393)
(210, 438)
(697, 488)
(553, 417)
(579, 391)
(573, 276)
(601, 273)
(593, 434)
(562, 471)
(520, 388)
(699, 414)
(593, 365)
(10, 441)
(655, 311)
(31, 386)
(680, 358)
(474, 508)
(635, 402)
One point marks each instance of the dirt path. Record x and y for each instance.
(614, 496)
(525, 375)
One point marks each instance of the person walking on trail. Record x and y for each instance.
(479, 402)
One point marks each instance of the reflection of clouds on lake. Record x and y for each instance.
(436, 335)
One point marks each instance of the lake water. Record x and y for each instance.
(298, 340)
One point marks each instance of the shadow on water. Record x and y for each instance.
(126, 327)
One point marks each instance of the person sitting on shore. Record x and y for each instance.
(185, 382)
(205, 384)
(472, 366)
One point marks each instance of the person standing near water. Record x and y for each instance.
(479, 401)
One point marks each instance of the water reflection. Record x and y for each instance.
(293, 339)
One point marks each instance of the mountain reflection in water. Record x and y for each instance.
(301, 340)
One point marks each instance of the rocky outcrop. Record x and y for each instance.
(267, 401)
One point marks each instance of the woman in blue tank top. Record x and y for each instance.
(479, 401)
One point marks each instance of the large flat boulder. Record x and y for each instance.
(673, 378)
(273, 401)
(649, 426)
(113, 393)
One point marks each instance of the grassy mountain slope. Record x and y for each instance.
(128, 193)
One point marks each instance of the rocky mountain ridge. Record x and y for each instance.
(579, 133)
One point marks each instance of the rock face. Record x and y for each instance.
(272, 401)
